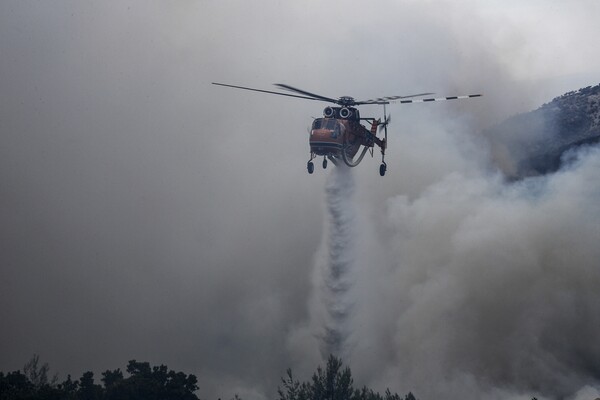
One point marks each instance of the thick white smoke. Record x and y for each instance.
(493, 288)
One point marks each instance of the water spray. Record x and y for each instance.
(337, 272)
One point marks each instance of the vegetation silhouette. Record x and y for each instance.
(333, 383)
(146, 382)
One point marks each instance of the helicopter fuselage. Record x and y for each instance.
(329, 135)
(340, 129)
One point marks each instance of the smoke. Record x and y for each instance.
(493, 288)
(179, 216)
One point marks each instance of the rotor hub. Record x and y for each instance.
(346, 101)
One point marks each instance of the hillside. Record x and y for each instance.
(534, 143)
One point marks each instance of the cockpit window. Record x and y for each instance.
(330, 124)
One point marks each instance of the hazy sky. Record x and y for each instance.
(146, 214)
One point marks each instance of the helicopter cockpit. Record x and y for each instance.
(329, 125)
(324, 123)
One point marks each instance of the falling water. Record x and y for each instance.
(337, 271)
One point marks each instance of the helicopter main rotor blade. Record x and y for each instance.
(266, 91)
(387, 99)
(468, 96)
(312, 95)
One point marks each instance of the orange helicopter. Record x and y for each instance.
(339, 135)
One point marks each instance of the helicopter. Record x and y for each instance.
(339, 135)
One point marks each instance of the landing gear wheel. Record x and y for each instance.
(310, 166)
(382, 169)
(324, 163)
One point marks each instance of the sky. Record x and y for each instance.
(147, 214)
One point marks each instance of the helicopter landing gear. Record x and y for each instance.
(382, 168)
(324, 163)
(309, 165)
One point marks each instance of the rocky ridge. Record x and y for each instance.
(535, 143)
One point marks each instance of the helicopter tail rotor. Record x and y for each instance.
(386, 121)
(384, 125)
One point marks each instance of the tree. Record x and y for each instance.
(112, 378)
(112, 381)
(144, 382)
(38, 375)
(332, 383)
(87, 389)
(292, 390)
(15, 385)
(69, 389)
(148, 383)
